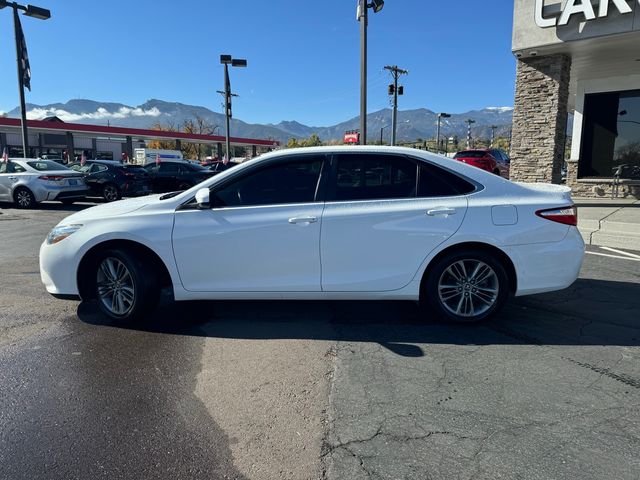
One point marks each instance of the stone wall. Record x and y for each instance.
(540, 118)
(595, 188)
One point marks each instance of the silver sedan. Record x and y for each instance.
(28, 181)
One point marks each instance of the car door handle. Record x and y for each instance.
(295, 220)
(441, 211)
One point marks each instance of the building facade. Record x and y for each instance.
(578, 60)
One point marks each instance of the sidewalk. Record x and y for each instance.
(609, 222)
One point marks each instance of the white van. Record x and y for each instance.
(142, 156)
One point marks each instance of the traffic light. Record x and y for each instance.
(400, 90)
(391, 89)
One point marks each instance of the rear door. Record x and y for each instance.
(383, 216)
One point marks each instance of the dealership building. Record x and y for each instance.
(579, 57)
(54, 138)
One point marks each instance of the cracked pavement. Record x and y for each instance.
(317, 390)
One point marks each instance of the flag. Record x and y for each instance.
(23, 56)
(5, 155)
(157, 159)
(83, 159)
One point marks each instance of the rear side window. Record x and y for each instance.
(374, 177)
(295, 181)
(46, 165)
(436, 182)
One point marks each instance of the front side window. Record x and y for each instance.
(295, 181)
(81, 168)
(169, 168)
(374, 177)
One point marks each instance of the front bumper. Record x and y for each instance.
(547, 267)
(57, 269)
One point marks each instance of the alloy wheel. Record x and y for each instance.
(24, 198)
(110, 193)
(116, 289)
(468, 288)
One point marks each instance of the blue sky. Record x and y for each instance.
(303, 55)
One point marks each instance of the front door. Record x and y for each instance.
(262, 233)
(384, 215)
(8, 179)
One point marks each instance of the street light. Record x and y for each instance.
(226, 60)
(381, 130)
(440, 116)
(24, 71)
(363, 17)
(469, 122)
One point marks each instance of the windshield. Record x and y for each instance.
(46, 165)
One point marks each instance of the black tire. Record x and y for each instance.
(143, 282)
(184, 186)
(454, 300)
(23, 198)
(111, 192)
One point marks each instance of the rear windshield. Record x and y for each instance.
(470, 154)
(46, 165)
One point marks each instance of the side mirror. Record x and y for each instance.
(202, 198)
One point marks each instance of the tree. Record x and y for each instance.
(312, 141)
(197, 125)
(292, 143)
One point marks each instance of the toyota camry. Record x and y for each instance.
(329, 223)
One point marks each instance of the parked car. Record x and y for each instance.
(220, 166)
(333, 223)
(29, 181)
(491, 159)
(112, 180)
(172, 176)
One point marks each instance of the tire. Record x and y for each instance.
(23, 198)
(111, 193)
(467, 286)
(184, 186)
(125, 287)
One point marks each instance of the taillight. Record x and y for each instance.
(51, 178)
(564, 215)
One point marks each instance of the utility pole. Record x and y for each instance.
(493, 133)
(362, 14)
(393, 89)
(470, 121)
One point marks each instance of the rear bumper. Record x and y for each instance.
(547, 267)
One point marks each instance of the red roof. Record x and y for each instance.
(133, 132)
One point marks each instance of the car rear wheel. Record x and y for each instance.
(110, 192)
(466, 286)
(125, 287)
(23, 198)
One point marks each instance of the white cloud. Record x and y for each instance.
(500, 109)
(100, 114)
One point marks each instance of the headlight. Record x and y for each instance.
(60, 233)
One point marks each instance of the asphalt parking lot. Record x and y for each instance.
(312, 390)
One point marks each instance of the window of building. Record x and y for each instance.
(611, 135)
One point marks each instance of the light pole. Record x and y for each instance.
(226, 60)
(469, 122)
(362, 14)
(493, 133)
(440, 116)
(22, 58)
(381, 130)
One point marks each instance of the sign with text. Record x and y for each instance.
(587, 9)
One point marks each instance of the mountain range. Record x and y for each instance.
(412, 124)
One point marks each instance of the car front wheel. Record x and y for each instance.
(124, 286)
(110, 193)
(466, 286)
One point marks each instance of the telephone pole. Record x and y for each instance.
(393, 89)
(469, 122)
(493, 134)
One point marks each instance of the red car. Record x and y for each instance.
(489, 159)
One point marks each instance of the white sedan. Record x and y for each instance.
(324, 223)
(26, 182)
